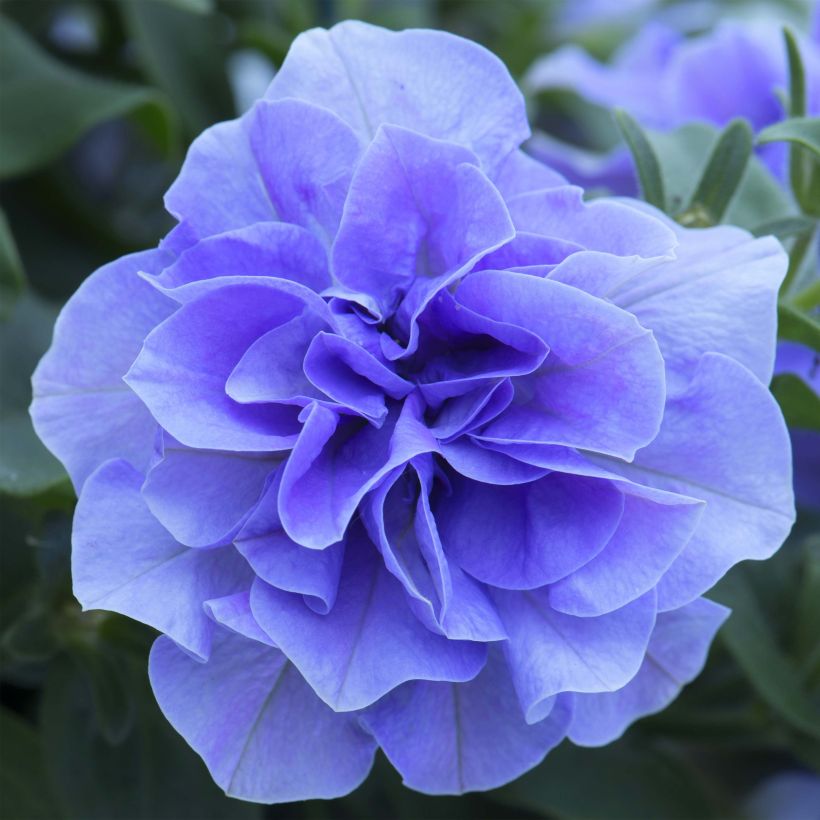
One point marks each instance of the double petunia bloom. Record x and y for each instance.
(399, 442)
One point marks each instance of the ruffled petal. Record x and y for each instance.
(549, 652)
(136, 581)
(524, 536)
(306, 179)
(426, 80)
(261, 731)
(401, 522)
(601, 388)
(220, 163)
(676, 653)
(418, 212)
(369, 643)
(654, 529)
(185, 362)
(283, 563)
(82, 409)
(599, 225)
(201, 496)
(263, 249)
(336, 461)
(703, 451)
(719, 295)
(452, 738)
(234, 613)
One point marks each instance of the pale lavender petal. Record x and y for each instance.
(234, 613)
(549, 652)
(306, 180)
(426, 80)
(261, 731)
(185, 362)
(201, 496)
(263, 249)
(82, 409)
(369, 643)
(703, 451)
(676, 653)
(451, 738)
(527, 535)
(137, 581)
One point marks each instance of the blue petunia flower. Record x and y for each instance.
(400, 443)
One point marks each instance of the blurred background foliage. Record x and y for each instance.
(99, 100)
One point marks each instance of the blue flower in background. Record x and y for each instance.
(666, 80)
(403, 444)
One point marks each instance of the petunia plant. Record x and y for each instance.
(401, 443)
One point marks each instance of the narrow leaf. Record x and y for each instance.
(47, 105)
(803, 131)
(722, 175)
(797, 76)
(799, 403)
(646, 161)
(769, 670)
(786, 227)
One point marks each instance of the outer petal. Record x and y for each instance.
(719, 295)
(123, 560)
(675, 655)
(369, 643)
(200, 496)
(258, 726)
(451, 738)
(550, 652)
(185, 362)
(723, 441)
(426, 80)
(601, 388)
(219, 188)
(527, 535)
(82, 409)
(600, 225)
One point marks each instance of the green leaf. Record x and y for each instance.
(627, 780)
(646, 161)
(152, 773)
(721, 177)
(797, 75)
(195, 6)
(797, 326)
(184, 54)
(683, 153)
(114, 707)
(786, 227)
(799, 403)
(26, 467)
(23, 781)
(769, 670)
(47, 105)
(803, 131)
(12, 279)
